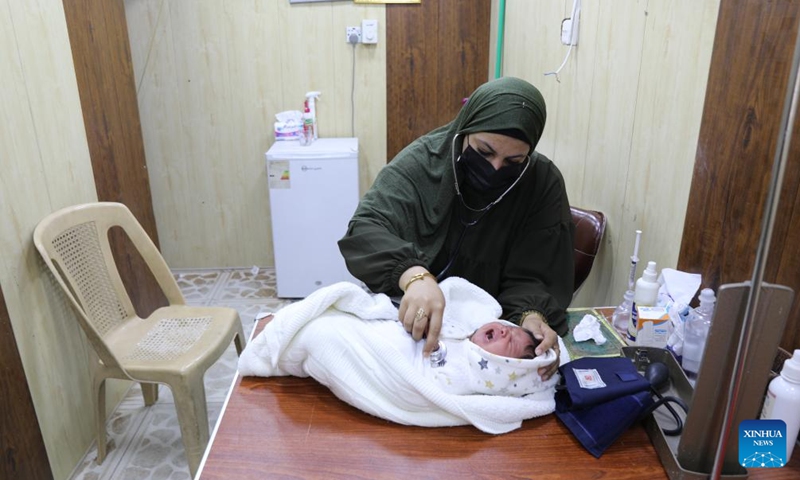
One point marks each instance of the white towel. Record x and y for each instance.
(351, 342)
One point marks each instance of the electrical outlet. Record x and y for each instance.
(566, 31)
(569, 29)
(353, 35)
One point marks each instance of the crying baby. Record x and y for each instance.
(498, 358)
(506, 339)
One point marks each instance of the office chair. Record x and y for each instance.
(589, 228)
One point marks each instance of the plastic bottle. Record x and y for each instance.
(783, 400)
(311, 98)
(696, 333)
(622, 315)
(307, 137)
(645, 294)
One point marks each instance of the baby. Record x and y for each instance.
(506, 340)
(352, 342)
(497, 358)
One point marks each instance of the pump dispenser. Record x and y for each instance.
(696, 331)
(311, 98)
(645, 294)
(783, 400)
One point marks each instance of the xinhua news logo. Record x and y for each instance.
(762, 443)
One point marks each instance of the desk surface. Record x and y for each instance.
(285, 427)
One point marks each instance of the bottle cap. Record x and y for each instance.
(707, 296)
(791, 368)
(650, 272)
(628, 295)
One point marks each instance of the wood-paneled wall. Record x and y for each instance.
(623, 117)
(102, 58)
(210, 77)
(45, 165)
(24, 454)
(744, 103)
(437, 55)
(623, 125)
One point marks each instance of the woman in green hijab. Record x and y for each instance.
(471, 199)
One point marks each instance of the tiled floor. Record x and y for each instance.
(145, 443)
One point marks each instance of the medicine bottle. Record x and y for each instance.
(645, 294)
(783, 400)
(696, 331)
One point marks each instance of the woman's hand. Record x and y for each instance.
(422, 306)
(549, 339)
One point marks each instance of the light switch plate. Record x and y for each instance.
(369, 31)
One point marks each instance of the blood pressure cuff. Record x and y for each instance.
(591, 381)
(599, 398)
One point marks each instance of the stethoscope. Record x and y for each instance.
(438, 355)
(481, 212)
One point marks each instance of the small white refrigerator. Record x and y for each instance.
(313, 192)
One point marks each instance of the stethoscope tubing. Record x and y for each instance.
(482, 211)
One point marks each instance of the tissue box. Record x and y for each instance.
(288, 131)
(288, 125)
(652, 326)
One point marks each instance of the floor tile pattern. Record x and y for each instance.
(145, 442)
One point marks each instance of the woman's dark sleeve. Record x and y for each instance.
(539, 272)
(377, 257)
(373, 248)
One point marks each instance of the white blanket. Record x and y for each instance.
(350, 341)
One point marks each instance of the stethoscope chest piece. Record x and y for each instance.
(437, 357)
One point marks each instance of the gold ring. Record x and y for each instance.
(420, 313)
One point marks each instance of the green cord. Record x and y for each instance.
(501, 25)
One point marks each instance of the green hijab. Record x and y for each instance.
(506, 103)
(413, 194)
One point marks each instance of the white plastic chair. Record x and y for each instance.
(174, 346)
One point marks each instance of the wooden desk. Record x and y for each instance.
(285, 427)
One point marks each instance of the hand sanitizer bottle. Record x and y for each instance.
(696, 333)
(311, 103)
(783, 400)
(307, 137)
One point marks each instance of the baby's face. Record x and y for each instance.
(503, 339)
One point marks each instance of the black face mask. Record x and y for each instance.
(481, 175)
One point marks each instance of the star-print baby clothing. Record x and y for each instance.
(470, 369)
